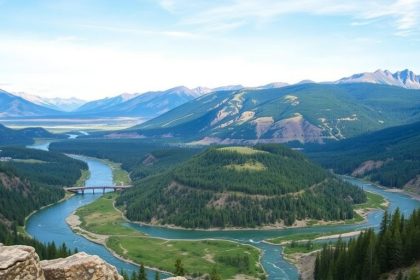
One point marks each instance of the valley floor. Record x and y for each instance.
(102, 223)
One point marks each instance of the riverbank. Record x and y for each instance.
(22, 229)
(67, 195)
(412, 195)
(103, 224)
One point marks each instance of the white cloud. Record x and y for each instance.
(404, 14)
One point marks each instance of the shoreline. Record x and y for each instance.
(412, 195)
(321, 223)
(73, 221)
(67, 195)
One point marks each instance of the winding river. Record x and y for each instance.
(49, 225)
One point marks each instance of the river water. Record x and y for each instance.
(49, 225)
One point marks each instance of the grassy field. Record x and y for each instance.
(82, 180)
(199, 257)
(374, 201)
(301, 247)
(248, 166)
(242, 150)
(101, 217)
(119, 175)
(34, 161)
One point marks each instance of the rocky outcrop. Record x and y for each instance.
(19, 262)
(79, 266)
(22, 263)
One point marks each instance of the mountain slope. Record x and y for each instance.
(390, 156)
(15, 106)
(146, 105)
(241, 187)
(57, 103)
(23, 136)
(105, 103)
(304, 113)
(406, 78)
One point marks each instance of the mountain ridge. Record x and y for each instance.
(305, 113)
(151, 104)
(405, 78)
(55, 103)
(15, 106)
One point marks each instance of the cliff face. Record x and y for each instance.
(22, 262)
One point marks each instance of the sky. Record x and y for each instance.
(92, 49)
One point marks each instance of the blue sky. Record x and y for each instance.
(97, 48)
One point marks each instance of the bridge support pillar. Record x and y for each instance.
(93, 191)
(83, 192)
(103, 190)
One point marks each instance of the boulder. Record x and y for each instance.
(79, 266)
(19, 263)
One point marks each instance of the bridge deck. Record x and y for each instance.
(93, 188)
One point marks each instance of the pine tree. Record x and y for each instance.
(396, 254)
(142, 273)
(214, 275)
(317, 275)
(179, 268)
(157, 275)
(384, 223)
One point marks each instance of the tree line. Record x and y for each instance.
(396, 245)
(26, 186)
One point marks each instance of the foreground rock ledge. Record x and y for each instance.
(20, 262)
(79, 266)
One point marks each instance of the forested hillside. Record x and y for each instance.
(241, 187)
(139, 157)
(32, 179)
(21, 137)
(390, 157)
(372, 254)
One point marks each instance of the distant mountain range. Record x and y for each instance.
(304, 112)
(404, 79)
(56, 103)
(155, 103)
(147, 105)
(15, 106)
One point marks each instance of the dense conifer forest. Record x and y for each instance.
(30, 180)
(396, 245)
(396, 149)
(241, 187)
(139, 157)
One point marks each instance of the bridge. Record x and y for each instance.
(103, 188)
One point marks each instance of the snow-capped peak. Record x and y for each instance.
(406, 78)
